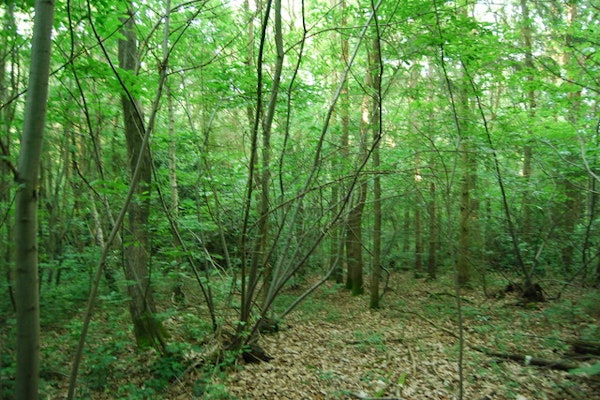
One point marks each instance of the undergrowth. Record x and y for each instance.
(112, 368)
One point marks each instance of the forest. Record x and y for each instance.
(299, 199)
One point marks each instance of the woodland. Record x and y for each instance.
(299, 199)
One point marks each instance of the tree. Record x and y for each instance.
(337, 259)
(7, 169)
(27, 178)
(530, 105)
(260, 251)
(376, 71)
(147, 329)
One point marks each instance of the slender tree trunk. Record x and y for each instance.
(572, 206)
(468, 164)
(433, 233)
(376, 68)
(6, 166)
(247, 278)
(467, 214)
(147, 329)
(338, 233)
(354, 241)
(173, 183)
(27, 295)
(354, 237)
(527, 168)
(418, 204)
(174, 205)
(336, 245)
(406, 233)
(260, 251)
(265, 180)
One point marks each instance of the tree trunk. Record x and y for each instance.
(265, 180)
(6, 166)
(418, 203)
(527, 168)
(147, 329)
(338, 233)
(354, 239)
(27, 295)
(433, 234)
(463, 265)
(354, 244)
(468, 163)
(406, 233)
(572, 205)
(376, 75)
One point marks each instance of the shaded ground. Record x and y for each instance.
(335, 348)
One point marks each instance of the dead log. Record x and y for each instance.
(561, 365)
(586, 347)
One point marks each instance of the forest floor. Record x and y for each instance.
(333, 347)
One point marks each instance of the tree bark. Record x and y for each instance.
(147, 329)
(572, 205)
(418, 203)
(354, 237)
(433, 233)
(376, 68)
(27, 295)
(6, 166)
(463, 266)
(337, 260)
(467, 216)
(265, 180)
(527, 167)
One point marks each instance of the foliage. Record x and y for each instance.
(453, 74)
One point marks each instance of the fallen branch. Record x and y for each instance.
(561, 365)
(363, 397)
(581, 346)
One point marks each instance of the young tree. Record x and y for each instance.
(28, 169)
(376, 71)
(337, 246)
(7, 169)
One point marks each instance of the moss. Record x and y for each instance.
(149, 332)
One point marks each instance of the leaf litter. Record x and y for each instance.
(335, 348)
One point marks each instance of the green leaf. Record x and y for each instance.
(402, 379)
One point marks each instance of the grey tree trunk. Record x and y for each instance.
(27, 295)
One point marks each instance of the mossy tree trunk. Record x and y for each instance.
(147, 329)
